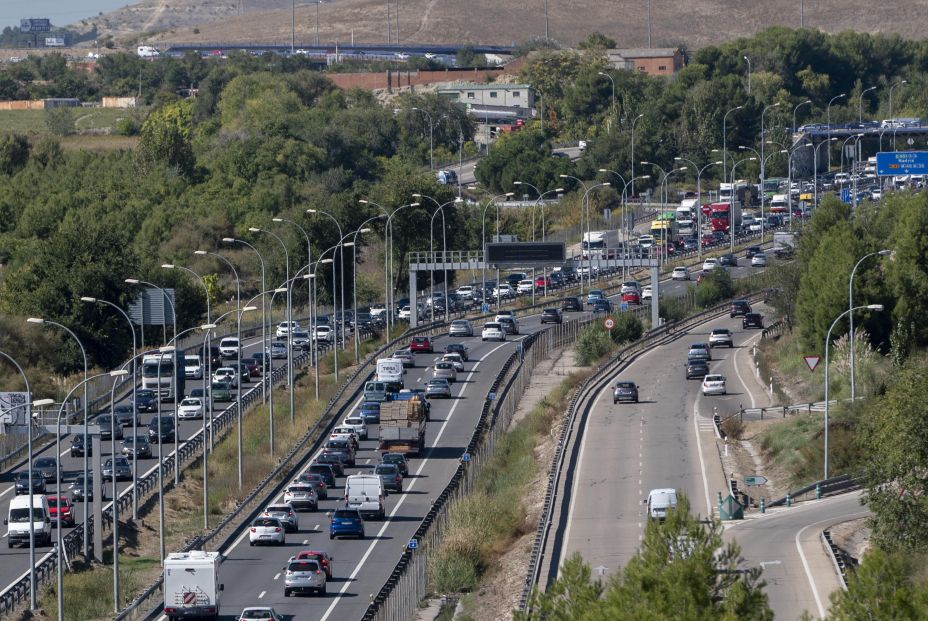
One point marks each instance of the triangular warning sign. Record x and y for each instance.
(812, 361)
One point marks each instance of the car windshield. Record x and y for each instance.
(385, 469)
(19, 516)
(303, 566)
(345, 514)
(45, 462)
(625, 385)
(438, 382)
(265, 522)
(721, 331)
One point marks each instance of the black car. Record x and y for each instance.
(77, 446)
(341, 448)
(326, 471)
(690, 243)
(107, 428)
(126, 415)
(602, 306)
(21, 483)
(80, 492)
(625, 391)
(333, 461)
(728, 260)
(752, 250)
(137, 444)
(166, 428)
(774, 221)
(457, 348)
(551, 315)
(119, 468)
(146, 401)
(739, 307)
(47, 467)
(398, 459)
(696, 367)
(262, 359)
(571, 304)
(752, 320)
(720, 236)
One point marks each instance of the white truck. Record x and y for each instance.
(784, 243)
(686, 214)
(365, 493)
(601, 239)
(147, 51)
(191, 585)
(390, 371)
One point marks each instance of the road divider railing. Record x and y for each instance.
(408, 583)
(777, 411)
(577, 409)
(185, 454)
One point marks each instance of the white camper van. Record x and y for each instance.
(191, 584)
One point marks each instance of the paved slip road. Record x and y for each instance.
(15, 562)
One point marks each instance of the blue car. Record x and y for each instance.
(594, 296)
(346, 523)
(370, 412)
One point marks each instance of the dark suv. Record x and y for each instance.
(728, 260)
(571, 304)
(752, 250)
(551, 315)
(625, 391)
(740, 307)
(163, 431)
(752, 320)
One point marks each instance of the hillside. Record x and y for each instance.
(694, 23)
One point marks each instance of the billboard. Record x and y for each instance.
(54, 41)
(525, 254)
(35, 25)
(11, 407)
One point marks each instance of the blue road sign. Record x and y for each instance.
(413, 544)
(465, 457)
(491, 396)
(846, 195)
(902, 163)
(623, 307)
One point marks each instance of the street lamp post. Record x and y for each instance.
(850, 306)
(264, 323)
(699, 172)
(807, 102)
(483, 243)
(731, 219)
(763, 170)
(789, 177)
(749, 73)
(388, 262)
(309, 259)
(725, 141)
(25, 406)
(899, 83)
(634, 120)
(612, 114)
(341, 258)
(539, 203)
(860, 103)
(38, 320)
(354, 286)
(441, 208)
(875, 307)
(135, 378)
(828, 117)
(431, 142)
(815, 166)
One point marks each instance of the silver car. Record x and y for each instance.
(445, 370)
(304, 575)
(122, 469)
(302, 497)
(408, 358)
(438, 388)
(285, 513)
(460, 327)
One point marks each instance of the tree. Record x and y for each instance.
(59, 121)
(881, 587)
(627, 328)
(166, 138)
(14, 153)
(597, 41)
(716, 287)
(522, 156)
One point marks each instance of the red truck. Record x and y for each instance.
(721, 218)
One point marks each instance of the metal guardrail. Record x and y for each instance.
(779, 411)
(185, 454)
(591, 385)
(820, 489)
(777, 328)
(839, 557)
(407, 583)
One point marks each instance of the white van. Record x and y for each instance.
(365, 493)
(193, 367)
(390, 371)
(147, 51)
(660, 501)
(17, 521)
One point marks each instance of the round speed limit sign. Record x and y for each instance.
(609, 323)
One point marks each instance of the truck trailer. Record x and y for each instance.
(191, 585)
(402, 427)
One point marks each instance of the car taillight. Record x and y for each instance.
(277, 530)
(254, 530)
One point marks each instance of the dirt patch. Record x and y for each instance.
(852, 536)
(740, 461)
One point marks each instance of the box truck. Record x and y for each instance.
(402, 427)
(191, 585)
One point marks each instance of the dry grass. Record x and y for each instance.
(481, 21)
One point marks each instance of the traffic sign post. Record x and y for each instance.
(623, 307)
(891, 163)
(812, 361)
(609, 323)
(755, 480)
(413, 544)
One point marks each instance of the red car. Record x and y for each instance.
(421, 344)
(632, 297)
(67, 510)
(541, 281)
(708, 240)
(315, 555)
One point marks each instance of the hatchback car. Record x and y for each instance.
(680, 273)
(551, 315)
(594, 295)
(493, 331)
(438, 387)
(647, 293)
(341, 449)
(284, 327)
(604, 306)
(108, 427)
(229, 347)
(445, 370)
(319, 556)
(750, 251)
(278, 350)
(713, 385)
(126, 415)
(161, 429)
(346, 523)
(460, 327)
(571, 305)
(752, 320)
(696, 367)
(145, 400)
(457, 348)
(62, 503)
(759, 260)
(259, 614)
(710, 264)
(456, 360)
(317, 481)
(334, 461)
(267, 530)
(227, 375)
(77, 446)
(80, 492)
(390, 476)
(408, 358)
(510, 324)
(324, 470)
(21, 483)
(699, 350)
(356, 424)
(625, 391)
(421, 344)
(370, 412)
(285, 513)
(397, 459)
(720, 337)
(302, 497)
(631, 297)
(728, 260)
(191, 407)
(137, 445)
(119, 468)
(739, 307)
(304, 575)
(46, 467)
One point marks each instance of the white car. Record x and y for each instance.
(493, 331)
(710, 264)
(226, 374)
(191, 407)
(259, 614)
(405, 313)
(193, 368)
(630, 285)
(526, 286)
(466, 292)
(323, 334)
(285, 513)
(503, 291)
(646, 293)
(713, 385)
(278, 349)
(757, 226)
(266, 530)
(460, 327)
(357, 424)
(345, 433)
(284, 327)
(456, 360)
(759, 260)
(229, 347)
(680, 273)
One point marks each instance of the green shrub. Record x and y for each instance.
(627, 328)
(60, 121)
(717, 286)
(127, 126)
(672, 309)
(592, 344)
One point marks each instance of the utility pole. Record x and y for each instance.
(389, 32)
(649, 24)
